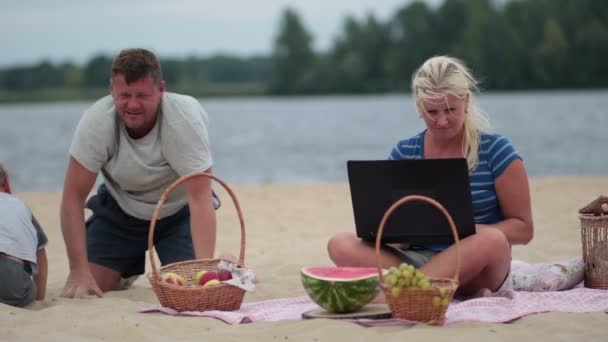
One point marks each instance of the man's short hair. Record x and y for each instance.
(3, 174)
(135, 64)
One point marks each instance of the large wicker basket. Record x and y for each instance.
(223, 296)
(594, 235)
(416, 304)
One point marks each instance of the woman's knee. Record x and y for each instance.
(495, 241)
(340, 246)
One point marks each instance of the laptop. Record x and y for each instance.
(376, 184)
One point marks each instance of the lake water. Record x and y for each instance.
(308, 139)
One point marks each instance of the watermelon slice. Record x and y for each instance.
(341, 289)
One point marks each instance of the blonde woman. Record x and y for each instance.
(444, 91)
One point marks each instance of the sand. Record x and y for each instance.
(287, 227)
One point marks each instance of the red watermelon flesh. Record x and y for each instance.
(340, 273)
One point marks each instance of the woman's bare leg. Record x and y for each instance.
(485, 262)
(347, 250)
(485, 259)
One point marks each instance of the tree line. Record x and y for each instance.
(513, 44)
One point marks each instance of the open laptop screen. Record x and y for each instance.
(376, 184)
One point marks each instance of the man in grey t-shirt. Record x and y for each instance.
(142, 139)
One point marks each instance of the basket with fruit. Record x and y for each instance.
(197, 285)
(594, 237)
(410, 294)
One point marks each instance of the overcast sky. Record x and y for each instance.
(60, 30)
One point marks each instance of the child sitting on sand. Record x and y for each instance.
(23, 262)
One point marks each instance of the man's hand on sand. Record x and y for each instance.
(80, 284)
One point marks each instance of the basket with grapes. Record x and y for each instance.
(410, 294)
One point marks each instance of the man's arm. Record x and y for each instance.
(78, 183)
(42, 275)
(202, 216)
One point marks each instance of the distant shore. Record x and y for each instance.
(83, 94)
(253, 89)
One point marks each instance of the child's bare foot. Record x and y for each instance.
(125, 283)
(484, 292)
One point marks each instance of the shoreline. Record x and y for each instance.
(532, 179)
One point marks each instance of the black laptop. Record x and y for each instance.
(376, 184)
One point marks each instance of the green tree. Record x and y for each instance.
(550, 56)
(16, 79)
(451, 21)
(293, 57)
(359, 56)
(525, 19)
(588, 64)
(97, 72)
(502, 55)
(413, 37)
(583, 24)
(72, 75)
(171, 71)
(226, 69)
(194, 71)
(43, 75)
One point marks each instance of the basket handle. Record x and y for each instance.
(162, 200)
(429, 200)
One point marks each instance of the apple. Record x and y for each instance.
(224, 275)
(197, 277)
(174, 278)
(212, 282)
(202, 277)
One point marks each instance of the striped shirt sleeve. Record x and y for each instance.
(395, 153)
(502, 154)
(407, 149)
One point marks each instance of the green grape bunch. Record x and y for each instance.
(407, 276)
(442, 299)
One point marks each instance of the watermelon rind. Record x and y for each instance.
(341, 289)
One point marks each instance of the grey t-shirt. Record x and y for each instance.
(20, 234)
(138, 171)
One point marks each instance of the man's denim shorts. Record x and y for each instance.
(119, 241)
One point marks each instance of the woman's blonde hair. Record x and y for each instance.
(443, 75)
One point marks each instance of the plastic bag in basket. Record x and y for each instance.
(243, 278)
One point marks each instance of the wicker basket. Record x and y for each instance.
(222, 296)
(416, 304)
(594, 234)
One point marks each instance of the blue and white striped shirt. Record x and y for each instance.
(495, 154)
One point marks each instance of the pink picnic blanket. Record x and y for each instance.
(513, 305)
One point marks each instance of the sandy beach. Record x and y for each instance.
(287, 227)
